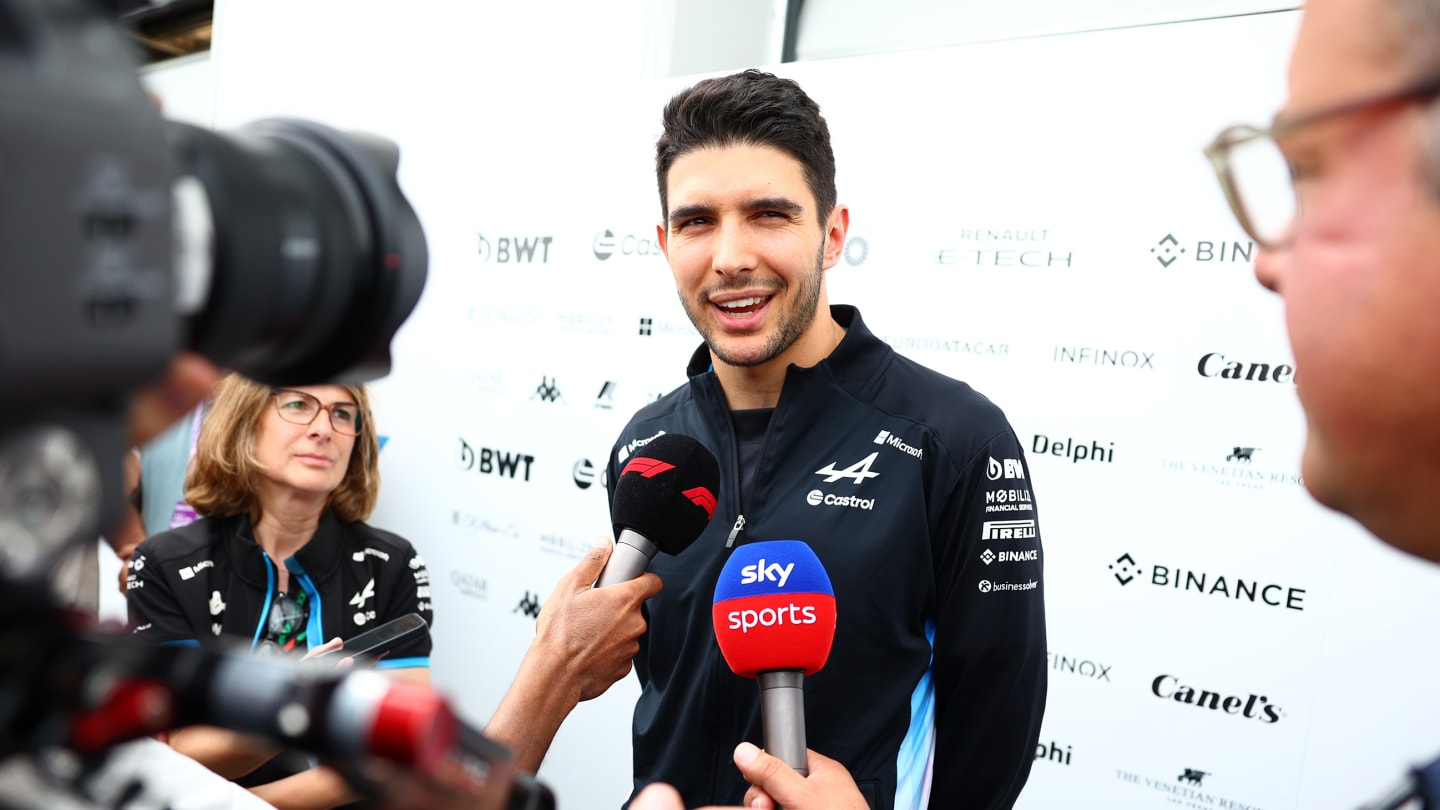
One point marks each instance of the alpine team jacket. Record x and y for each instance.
(210, 580)
(913, 490)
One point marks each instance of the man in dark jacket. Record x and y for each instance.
(911, 488)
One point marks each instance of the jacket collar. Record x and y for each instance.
(319, 558)
(856, 361)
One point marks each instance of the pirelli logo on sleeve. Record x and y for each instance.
(1008, 530)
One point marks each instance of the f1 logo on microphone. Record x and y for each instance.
(701, 497)
(760, 572)
(647, 467)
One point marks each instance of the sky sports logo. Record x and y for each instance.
(747, 619)
(1008, 530)
(760, 572)
(779, 589)
(768, 575)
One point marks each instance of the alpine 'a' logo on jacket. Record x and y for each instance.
(856, 472)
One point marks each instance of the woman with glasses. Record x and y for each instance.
(281, 561)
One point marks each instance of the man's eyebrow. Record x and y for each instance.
(785, 204)
(684, 212)
(681, 213)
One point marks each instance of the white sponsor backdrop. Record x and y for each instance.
(1020, 209)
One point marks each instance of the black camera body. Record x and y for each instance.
(284, 250)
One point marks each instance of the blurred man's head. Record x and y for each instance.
(1359, 263)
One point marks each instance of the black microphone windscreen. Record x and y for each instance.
(667, 492)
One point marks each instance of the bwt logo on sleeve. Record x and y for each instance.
(1011, 468)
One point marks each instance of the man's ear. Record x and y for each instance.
(836, 226)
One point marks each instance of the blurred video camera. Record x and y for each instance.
(283, 250)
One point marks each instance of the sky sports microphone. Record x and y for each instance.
(774, 617)
(664, 498)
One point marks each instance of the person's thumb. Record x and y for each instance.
(588, 569)
(782, 782)
(658, 796)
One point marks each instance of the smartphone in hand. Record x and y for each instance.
(373, 644)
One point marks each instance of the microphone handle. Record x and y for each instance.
(629, 560)
(782, 712)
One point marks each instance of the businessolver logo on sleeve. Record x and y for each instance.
(774, 596)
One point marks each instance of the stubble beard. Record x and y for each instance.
(790, 328)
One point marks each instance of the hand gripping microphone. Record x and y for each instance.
(664, 498)
(774, 615)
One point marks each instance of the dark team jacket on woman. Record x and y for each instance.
(210, 579)
(913, 491)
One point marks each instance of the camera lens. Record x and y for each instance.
(314, 255)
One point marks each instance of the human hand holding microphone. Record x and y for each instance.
(774, 785)
(589, 628)
(774, 617)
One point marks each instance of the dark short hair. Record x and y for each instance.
(750, 108)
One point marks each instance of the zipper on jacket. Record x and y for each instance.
(735, 531)
(754, 481)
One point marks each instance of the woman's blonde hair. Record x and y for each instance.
(224, 474)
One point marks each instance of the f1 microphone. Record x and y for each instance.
(664, 498)
(774, 615)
